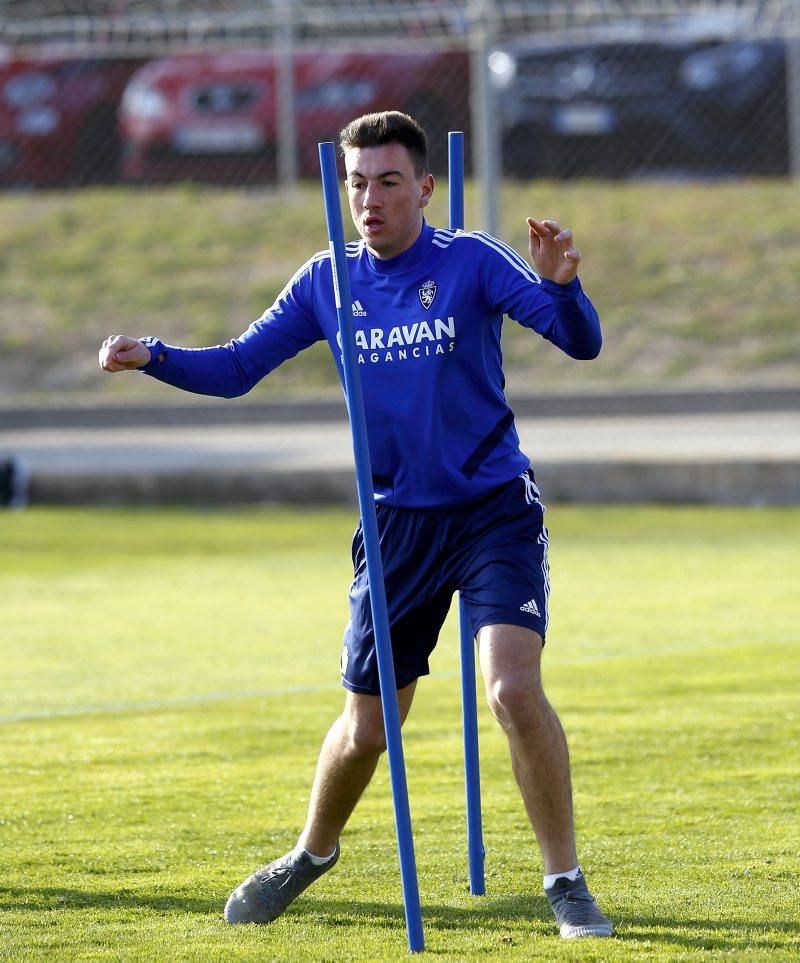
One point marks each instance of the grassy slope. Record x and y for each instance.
(696, 283)
(155, 746)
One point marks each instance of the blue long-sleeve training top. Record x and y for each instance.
(427, 329)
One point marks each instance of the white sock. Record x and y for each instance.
(316, 860)
(571, 875)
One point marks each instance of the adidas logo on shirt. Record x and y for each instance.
(358, 311)
(530, 607)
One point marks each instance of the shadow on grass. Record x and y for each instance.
(47, 898)
(482, 912)
(485, 910)
(336, 912)
(704, 934)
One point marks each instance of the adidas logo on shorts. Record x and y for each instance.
(531, 608)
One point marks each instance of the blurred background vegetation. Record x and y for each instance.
(697, 283)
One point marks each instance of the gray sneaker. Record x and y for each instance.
(262, 897)
(575, 910)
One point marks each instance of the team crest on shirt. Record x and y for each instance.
(427, 293)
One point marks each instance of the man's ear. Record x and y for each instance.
(428, 185)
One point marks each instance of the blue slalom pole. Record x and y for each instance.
(455, 179)
(469, 707)
(472, 769)
(377, 592)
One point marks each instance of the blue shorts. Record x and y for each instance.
(493, 550)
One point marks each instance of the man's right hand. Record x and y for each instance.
(123, 354)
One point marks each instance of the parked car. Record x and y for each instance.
(614, 108)
(740, 105)
(58, 119)
(214, 116)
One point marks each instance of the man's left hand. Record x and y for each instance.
(552, 251)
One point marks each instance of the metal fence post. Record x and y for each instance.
(485, 141)
(793, 97)
(285, 120)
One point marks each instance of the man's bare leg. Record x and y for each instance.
(510, 658)
(346, 764)
(510, 661)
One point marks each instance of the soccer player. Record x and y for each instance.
(457, 504)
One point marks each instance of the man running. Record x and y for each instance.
(457, 505)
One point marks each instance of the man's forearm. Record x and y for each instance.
(205, 371)
(577, 325)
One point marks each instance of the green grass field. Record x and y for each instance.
(167, 679)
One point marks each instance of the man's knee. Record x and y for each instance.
(510, 661)
(517, 703)
(364, 733)
(363, 725)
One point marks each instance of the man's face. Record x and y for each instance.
(386, 198)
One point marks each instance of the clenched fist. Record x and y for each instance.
(123, 354)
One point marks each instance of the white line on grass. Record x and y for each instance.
(145, 705)
(203, 698)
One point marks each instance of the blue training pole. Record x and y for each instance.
(469, 707)
(377, 592)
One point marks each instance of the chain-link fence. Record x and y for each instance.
(234, 92)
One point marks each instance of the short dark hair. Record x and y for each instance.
(388, 127)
